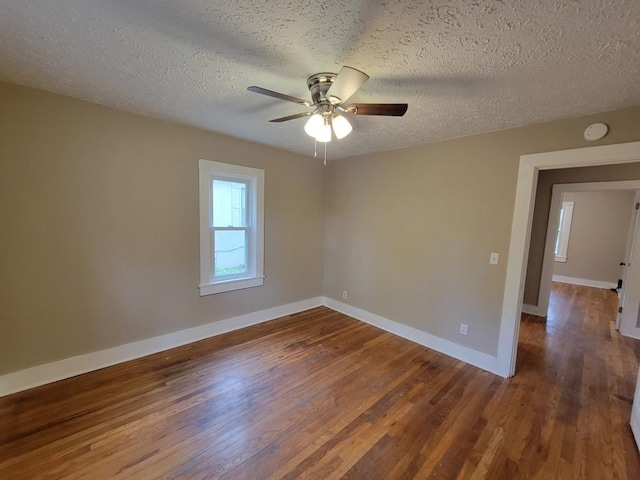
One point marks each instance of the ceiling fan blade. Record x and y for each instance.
(291, 117)
(281, 96)
(348, 82)
(388, 109)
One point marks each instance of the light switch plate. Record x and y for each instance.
(493, 259)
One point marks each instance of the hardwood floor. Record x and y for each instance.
(320, 395)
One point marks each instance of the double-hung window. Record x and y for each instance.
(564, 229)
(231, 227)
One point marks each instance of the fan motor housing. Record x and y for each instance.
(318, 85)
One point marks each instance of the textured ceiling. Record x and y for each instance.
(463, 66)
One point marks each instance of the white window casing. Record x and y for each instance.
(564, 230)
(252, 224)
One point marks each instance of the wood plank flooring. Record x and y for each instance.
(320, 395)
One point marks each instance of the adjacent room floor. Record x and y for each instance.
(320, 395)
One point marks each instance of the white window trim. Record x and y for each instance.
(564, 230)
(255, 178)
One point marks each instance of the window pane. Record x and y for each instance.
(230, 256)
(559, 235)
(229, 204)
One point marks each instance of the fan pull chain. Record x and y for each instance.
(325, 154)
(315, 148)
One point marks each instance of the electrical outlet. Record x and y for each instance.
(493, 259)
(344, 294)
(463, 328)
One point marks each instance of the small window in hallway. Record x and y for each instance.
(564, 228)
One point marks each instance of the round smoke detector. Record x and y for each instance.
(596, 131)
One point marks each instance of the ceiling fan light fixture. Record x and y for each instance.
(341, 126)
(329, 92)
(314, 125)
(324, 133)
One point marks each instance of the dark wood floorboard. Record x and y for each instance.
(320, 395)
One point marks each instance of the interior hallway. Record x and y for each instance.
(587, 372)
(320, 395)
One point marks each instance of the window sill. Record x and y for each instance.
(230, 285)
(561, 259)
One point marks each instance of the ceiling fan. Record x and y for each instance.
(329, 92)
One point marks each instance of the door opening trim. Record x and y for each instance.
(527, 181)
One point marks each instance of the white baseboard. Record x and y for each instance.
(631, 334)
(584, 282)
(70, 367)
(534, 310)
(467, 355)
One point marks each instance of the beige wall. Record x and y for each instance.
(546, 180)
(598, 239)
(99, 227)
(409, 232)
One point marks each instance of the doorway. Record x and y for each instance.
(528, 170)
(553, 264)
